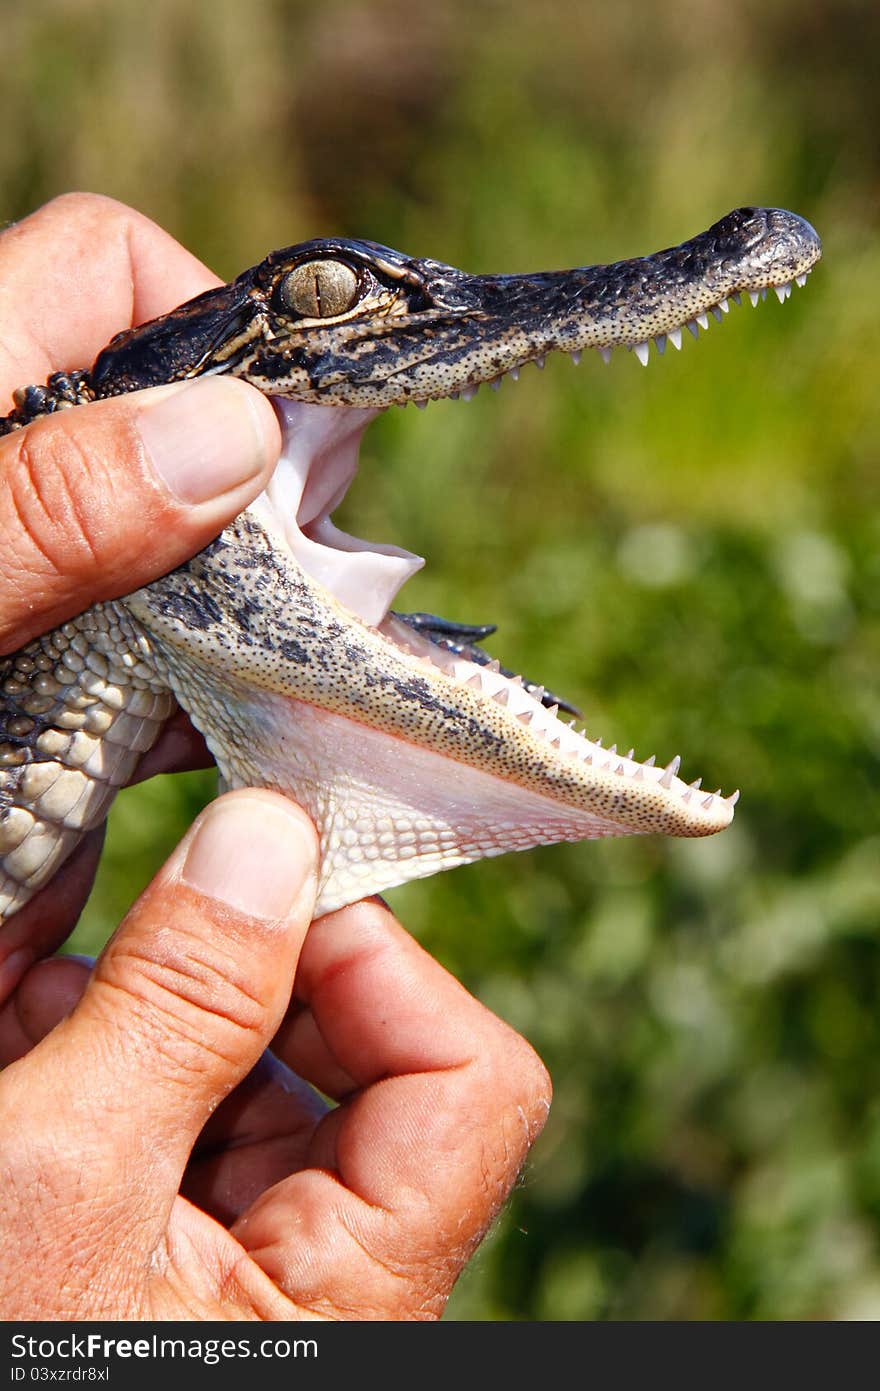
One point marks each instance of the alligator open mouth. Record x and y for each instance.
(318, 463)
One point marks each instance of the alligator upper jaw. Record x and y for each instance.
(463, 330)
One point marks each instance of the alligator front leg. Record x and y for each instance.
(462, 640)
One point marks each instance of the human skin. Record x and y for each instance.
(157, 1161)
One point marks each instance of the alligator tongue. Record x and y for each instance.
(319, 459)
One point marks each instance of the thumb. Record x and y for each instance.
(98, 500)
(187, 995)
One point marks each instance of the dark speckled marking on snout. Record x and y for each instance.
(273, 366)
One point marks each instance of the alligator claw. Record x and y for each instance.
(462, 638)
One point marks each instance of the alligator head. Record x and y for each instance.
(410, 749)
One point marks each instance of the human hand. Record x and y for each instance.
(365, 1210)
(369, 1209)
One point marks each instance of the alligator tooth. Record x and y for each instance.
(691, 327)
(503, 696)
(641, 352)
(801, 280)
(716, 313)
(649, 762)
(707, 802)
(674, 336)
(702, 320)
(420, 405)
(612, 748)
(686, 796)
(660, 340)
(496, 384)
(620, 769)
(468, 393)
(734, 796)
(605, 354)
(494, 665)
(514, 372)
(763, 292)
(670, 771)
(575, 357)
(724, 306)
(539, 363)
(553, 711)
(696, 784)
(736, 297)
(631, 754)
(537, 693)
(638, 775)
(754, 297)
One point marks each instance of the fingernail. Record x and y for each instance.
(206, 437)
(252, 854)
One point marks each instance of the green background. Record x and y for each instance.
(691, 553)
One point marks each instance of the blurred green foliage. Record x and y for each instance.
(692, 553)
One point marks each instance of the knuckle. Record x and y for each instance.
(520, 1076)
(58, 496)
(78, 203)
(535, 1083)
(183, 988)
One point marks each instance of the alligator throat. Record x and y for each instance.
(412, 750)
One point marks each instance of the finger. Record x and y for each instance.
(304, 1048)
(99, 500)
(49, 917)
(258, 1136)
(93, 267)
(47, 992)
(406, 1174)
(181, 1005)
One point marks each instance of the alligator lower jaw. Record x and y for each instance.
(412, 758)
(389, 811)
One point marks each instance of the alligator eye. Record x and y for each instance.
(320, 289)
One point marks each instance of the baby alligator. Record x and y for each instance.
(412, 751)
